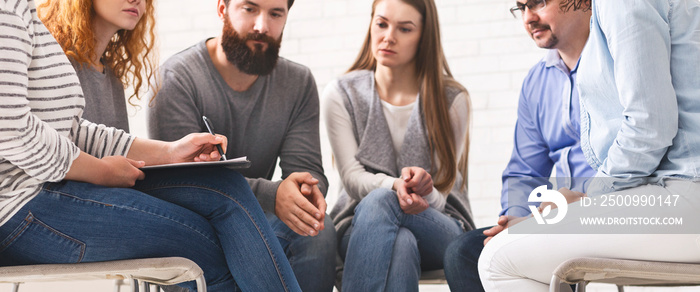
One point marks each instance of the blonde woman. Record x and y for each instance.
(398, 124)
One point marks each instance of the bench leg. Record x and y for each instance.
(201, 284)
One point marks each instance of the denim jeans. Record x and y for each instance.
(386, 249)
(312, 258)
(208, 215)
(461, 261)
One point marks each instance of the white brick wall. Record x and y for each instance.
(487, 50)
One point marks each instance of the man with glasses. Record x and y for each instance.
(546, 132)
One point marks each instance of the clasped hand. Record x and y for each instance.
(414, 184)
(300, 204)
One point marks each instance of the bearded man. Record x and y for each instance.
(268, 107)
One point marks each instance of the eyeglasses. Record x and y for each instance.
(533, 5)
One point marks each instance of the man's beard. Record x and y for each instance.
(252, 62)
(550, 43)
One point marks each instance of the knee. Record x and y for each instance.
(322, 245)
(406, 243)
(379, 201)
(463, 253)
(495, 261)
(467, 245)
(326, 241)
(232, 178)
(233, 185)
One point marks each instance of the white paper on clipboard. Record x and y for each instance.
(235, 163)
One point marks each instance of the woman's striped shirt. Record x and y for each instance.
(41, 102)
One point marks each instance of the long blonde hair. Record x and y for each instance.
(130, 54)
(434, 76)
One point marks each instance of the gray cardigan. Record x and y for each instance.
(377, 155)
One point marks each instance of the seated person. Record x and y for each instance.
(63, 177)
(398, 124)
(639, 90)
(268, 107)
(546, 132)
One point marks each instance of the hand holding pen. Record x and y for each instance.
(211, 131)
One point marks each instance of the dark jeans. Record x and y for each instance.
(461, 259)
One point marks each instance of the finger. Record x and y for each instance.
(493, 230)
(419, 175)
(311, 225)
(402, 201)
(544, 205)
(309, 211)
(223, 141)
(487, 240)
(421, 182)
(204, 138)
(306, 222)
(414, 179)
(419, 204)
(141, 175)
(503, 220)
(424, 190)
(297, 226)
(406, 173)
(319, 202)
(303, 177)
(310, 180)
(403, 192)
(136, 163)
(305, 189)
(214, 155)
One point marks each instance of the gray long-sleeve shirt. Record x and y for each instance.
(104, 96)
(277, 117)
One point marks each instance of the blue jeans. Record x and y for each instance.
(386, 249)
(461, 261)
(207, 215)
(312, 258)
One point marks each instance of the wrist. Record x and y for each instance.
(167, 152)
(101, 172)
(395, 185)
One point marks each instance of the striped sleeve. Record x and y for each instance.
(27, 141)
(99, 140)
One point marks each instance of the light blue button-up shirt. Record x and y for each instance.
(546, 135)
(640, 92)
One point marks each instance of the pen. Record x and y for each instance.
(211, 131)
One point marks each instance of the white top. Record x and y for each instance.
(340, 133)
(397, 119)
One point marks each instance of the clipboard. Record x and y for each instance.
(235, 163)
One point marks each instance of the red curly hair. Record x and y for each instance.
(130, 54)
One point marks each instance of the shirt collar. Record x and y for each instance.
(553, 59)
